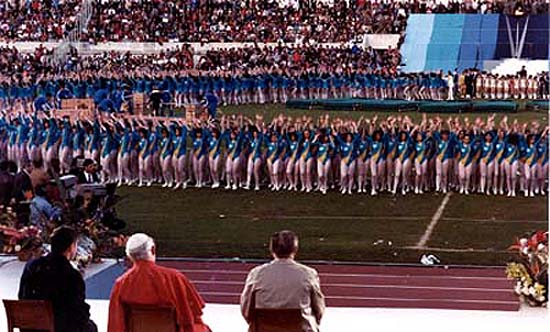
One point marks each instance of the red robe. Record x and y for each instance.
(148, 283)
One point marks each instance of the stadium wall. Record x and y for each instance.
(460, 41)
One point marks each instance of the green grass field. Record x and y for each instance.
(222, 224)
(269, 111)
(207, 223)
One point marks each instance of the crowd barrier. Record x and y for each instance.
(376, 41)
(399, 105)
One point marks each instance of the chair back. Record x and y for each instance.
(147, 318)
(276, 320)
(29, 315)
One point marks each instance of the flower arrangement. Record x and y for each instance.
(25, 242)
(530, 271)
(96, 241)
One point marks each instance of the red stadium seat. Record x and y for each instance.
(29, 315)
(147, 318)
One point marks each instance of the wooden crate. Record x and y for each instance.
(77, 104)
(78, 114)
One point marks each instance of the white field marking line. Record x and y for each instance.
(435, 219)
(497, 221)
(317, 217)
(324, 285)
(381, 298)
(459, 250)
(371, 275)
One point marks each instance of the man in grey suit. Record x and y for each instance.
(284, 284)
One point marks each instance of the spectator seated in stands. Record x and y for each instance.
(148, 283)
(299, 289)
(230, 21)
(53, 278)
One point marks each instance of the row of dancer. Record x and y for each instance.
(230, 87)
(395, 154)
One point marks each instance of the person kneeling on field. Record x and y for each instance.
(148, 283)
(284, 284)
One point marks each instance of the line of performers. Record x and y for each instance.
(394, 154)
(492, 86)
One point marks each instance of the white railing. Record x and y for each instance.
(73, 36)
(85, 48)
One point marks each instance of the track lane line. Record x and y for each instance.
(214, 272)
(480, 289)
(226, 294)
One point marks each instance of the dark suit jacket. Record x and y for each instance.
(21, 183)
(53, 278)
(82, 178)
(6, 187)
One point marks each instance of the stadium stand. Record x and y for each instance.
(230, 21)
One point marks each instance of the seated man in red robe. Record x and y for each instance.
(148, 283)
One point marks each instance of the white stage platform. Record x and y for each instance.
(227, 318)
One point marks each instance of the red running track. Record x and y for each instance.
(371, 286)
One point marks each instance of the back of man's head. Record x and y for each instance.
(140, 246)
(12, 166)
(62, 239)
(40, 190)
(284, 244)
(37, 163)
(27, 166)
(4, 165)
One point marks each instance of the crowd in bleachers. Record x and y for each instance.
(513, 7)
(230, 21)
(36, 20)
(240, 21)
(201, 21)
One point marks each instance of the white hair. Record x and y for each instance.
(139, 246)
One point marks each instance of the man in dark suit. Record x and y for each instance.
(6, 183)
(22, 183)
(89, 173)
(523, 72)
(54, 279)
